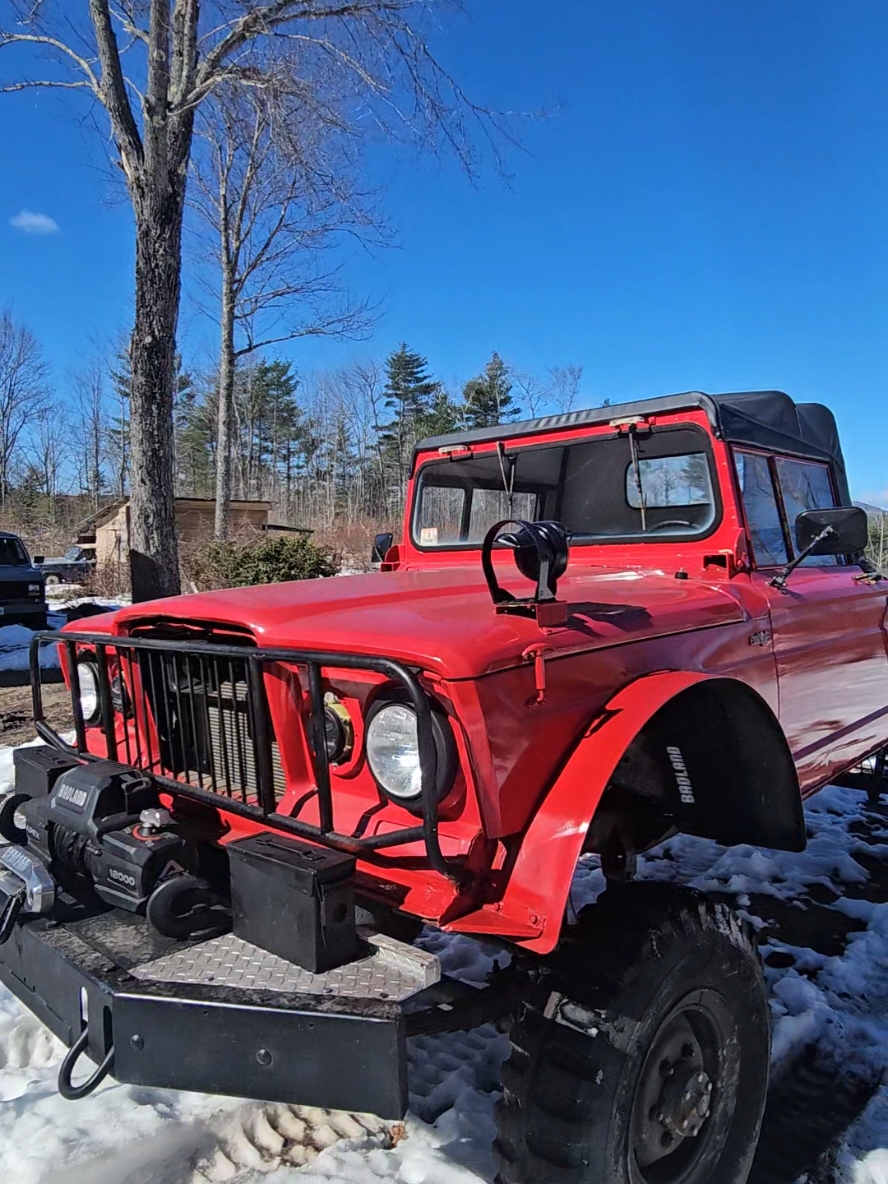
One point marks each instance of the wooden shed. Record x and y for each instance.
(107, 531)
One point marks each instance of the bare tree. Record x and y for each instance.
(90, 430)
(276, 198)
(533, 392)
(566, 385)
(23, 391)
(150, 64)
(49, 450)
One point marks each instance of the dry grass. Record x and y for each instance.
(109, 581)
(352, 540)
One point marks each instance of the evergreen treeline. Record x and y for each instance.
(328, 448)
(332, 444)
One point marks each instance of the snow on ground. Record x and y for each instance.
(823, 926)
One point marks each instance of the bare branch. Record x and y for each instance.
(53, 43)
(31, 83)
(113, 89)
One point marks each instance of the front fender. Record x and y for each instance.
(536, 894)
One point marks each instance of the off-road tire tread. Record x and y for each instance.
(543, 1117)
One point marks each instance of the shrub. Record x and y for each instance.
(269, 560)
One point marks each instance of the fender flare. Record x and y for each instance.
(537, 889)
(542, 875)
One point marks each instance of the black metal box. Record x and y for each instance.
(294, 900)
(38, 767)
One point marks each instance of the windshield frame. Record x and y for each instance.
(513, 448)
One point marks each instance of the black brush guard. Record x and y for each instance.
(234, 768)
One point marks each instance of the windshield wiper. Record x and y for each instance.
(636, 472)
(508, 483)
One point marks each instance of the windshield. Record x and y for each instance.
(600, 489)
(12, 553)
(73, 554)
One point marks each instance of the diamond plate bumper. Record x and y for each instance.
(390, 970)
(221, 1016)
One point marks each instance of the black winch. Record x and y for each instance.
(100, 828)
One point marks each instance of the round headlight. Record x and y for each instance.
(88, 689)
(393, 752)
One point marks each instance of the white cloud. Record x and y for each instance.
(32, 223)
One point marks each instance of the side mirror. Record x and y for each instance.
(381, 545)
(39, 558)
(850, 531)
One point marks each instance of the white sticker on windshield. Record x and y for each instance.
(428, 536)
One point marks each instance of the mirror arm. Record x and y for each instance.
(779, 581)
(870, 572)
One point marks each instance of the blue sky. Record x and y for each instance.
(705, 207)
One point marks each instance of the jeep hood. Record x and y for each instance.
(443, 620)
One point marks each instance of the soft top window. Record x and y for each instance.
(601, 488)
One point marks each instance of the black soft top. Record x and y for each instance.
(769, 420)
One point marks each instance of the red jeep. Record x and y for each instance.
(599, 629)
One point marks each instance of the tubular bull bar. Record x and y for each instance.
(164, 723)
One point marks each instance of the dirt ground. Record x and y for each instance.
(16, 725)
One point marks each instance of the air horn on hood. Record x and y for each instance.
(541, 551)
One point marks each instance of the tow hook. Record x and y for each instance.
(67, 1088)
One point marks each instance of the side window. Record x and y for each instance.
(762, 513)
(805, 486)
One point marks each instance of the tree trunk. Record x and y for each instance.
(154, 559)
(226, 410)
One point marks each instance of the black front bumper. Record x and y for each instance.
(338, 1053)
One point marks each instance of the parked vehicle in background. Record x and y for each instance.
(272, 788)
(22, 591)
(74, 567)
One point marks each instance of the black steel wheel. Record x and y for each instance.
(643, 1056)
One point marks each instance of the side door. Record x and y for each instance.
(828, 624)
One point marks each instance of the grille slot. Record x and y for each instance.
(224, 745)
(204, 718)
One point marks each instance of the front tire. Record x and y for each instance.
(644, 1057)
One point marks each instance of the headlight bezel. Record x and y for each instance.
(446, 755)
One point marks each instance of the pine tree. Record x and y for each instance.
(411, 395)
(409, 387)
(119, 430)
(488, 399)
(195, 443)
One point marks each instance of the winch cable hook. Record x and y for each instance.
(66, 1087)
